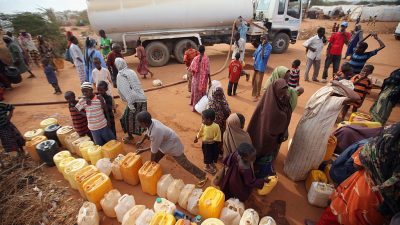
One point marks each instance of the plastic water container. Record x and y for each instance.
(149, 174)
(212, 221)
(235, 205)
(145, 217)
(83, 175)
(61, 166)
(332, 141)
(268, 187)
(29, 135)
(267, 220)
(315, 176)
(319, 194)
(184, 195)
(250, 217)
(116, 168)
(163, 205)
(133, 214)
(51, 133)
(72, 168)
(94, 153)
(357, 116)
(30, 146)
(109, 202)
(184, 222)
(69, 139)
(62, 134)
(163, 184)
(96, 187)
(327, 169)
(47, 122)
(202, 104)
(88, 214)
(193, 201)
(211, 203)
(232, 212)
(60, 156)
(174, 190)
(83, 149)
(162, 218)
(125, 203)
(112, 149)
(130, 167)
(46, 151)
(75, 144)
(104, 165)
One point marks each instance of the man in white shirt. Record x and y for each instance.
(77, 56)
(314, 46)
(164, 141)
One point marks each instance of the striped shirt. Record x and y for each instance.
(4, 110)
(363, 86)
(79, 121)
(358, 61)
(94, 113)
(294, 77)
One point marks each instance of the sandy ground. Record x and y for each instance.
(170, 106)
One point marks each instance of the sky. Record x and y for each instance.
(14, 6)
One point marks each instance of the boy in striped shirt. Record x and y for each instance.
(78, 117)
(97, 114)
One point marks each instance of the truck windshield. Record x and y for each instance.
(263, 5)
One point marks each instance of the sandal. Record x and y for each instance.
(201, 183)
(212, 171)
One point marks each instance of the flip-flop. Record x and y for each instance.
(210, 170)
(201, 183)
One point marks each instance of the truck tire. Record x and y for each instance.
(157, 54)
(180, 47)
(280, 43)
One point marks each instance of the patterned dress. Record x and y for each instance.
(200, 71)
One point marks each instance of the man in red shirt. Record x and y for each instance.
(334, 51)
(235, 69)
(115, 53)
(188, 57)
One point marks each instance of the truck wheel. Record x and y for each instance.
(280, 43)
(180, 47)
(397, 37)
(157, 54)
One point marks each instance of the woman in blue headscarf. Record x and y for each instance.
(90, 54)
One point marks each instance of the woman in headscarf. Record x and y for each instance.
(221, 108)
(268, 126)
(312, 132)
(283, 72)
(200, 69)
(388, 98)
(90, 54)
(143, 66)
(372, 194)
(356, 37)
(234, 134)
(46, 51)
(131, 92)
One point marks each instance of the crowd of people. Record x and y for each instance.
(248, 155)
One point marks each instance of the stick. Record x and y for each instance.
(9, 169)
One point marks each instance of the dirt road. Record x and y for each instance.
(170, 105)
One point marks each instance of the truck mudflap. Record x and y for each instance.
(293, 36)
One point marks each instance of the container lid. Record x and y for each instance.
(158, 200)
(46, 144)
(52, 128)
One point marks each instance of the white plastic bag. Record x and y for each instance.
(184, 195)
(163, 184)
(125, 203)
(202, 104)
(104, 165)
(267, 220)
(185, 77)
(145, 217)
(250, 217)
(109, 202)
(157, 83)
(88, 214)
(174, 190)
(131, 216)
(193, 201)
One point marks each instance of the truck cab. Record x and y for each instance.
(281, 17)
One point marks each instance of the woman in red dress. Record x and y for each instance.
(143, 67)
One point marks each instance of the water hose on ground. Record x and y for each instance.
(161, 87)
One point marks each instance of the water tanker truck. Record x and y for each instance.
(165, 26)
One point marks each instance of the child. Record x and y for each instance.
(211, 136)
(143, 67)
(51, 76)
(235, 69)
(11, 138)
(79, 119)
(294, 76)
(105, 43)
(102, 90)
(188, 57)
(96, 114)
(102, 74)
(345, 73)
(362, 86)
